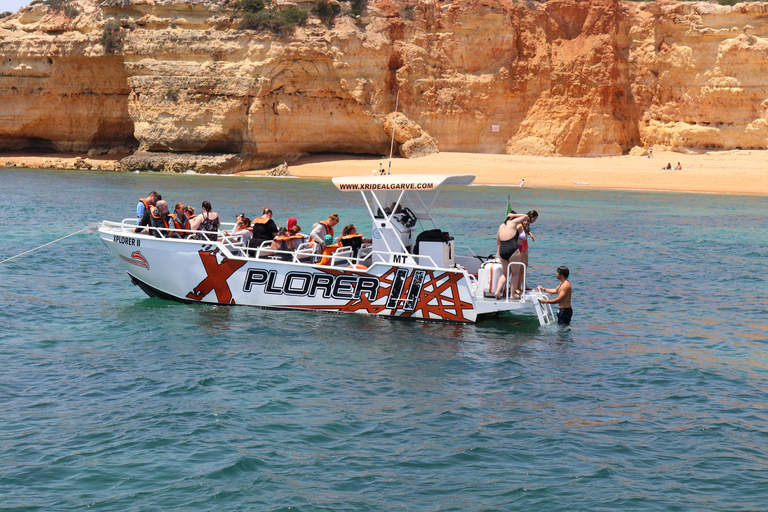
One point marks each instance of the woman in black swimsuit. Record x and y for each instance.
(506, 249)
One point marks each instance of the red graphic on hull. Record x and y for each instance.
(137, 259)
(216, 280)
(438, 297)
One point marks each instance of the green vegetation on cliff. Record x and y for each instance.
(112, 36)
(262, 14)
(256, 16)
(59, 5)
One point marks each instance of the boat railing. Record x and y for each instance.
(305, 253)
(509, 285)
(128, 226)
(468, 248)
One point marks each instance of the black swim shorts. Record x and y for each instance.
(564, 315)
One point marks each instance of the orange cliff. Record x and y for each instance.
(562, 77)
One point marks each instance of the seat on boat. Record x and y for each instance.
(432, 235)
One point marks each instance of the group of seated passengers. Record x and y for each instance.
(286, 240)
(153, 212)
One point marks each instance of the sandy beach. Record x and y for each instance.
(721, 172)
(61, 161)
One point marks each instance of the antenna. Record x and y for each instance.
(392, 144)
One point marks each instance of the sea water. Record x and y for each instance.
(653, 399)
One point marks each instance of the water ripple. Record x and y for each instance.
(654, 399)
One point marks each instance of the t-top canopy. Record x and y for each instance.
(415, 182)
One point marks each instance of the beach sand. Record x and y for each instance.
(722, 172)
(58, 160)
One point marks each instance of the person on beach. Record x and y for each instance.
(650, 151)
(522, 183)
(507, 250)
(207, 221)
(678, 167)
(563, 299)
(144, 204)
(668, 167)
(322, 228)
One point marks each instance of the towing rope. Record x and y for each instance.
(91, 228)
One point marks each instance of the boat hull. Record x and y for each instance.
(206, 272)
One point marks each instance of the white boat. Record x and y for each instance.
(402, 273)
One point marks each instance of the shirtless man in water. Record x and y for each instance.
(563, 299)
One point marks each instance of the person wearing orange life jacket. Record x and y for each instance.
(283, 242)
(144, 204)
(264, 229)
(161, 219)
(322, 228)
(242, 230)
(298, 237)
(180, 220)
(351, 238)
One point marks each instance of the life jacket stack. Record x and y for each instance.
(329, 249)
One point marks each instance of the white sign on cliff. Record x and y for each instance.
(494, 127)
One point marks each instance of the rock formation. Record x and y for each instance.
(561, 77)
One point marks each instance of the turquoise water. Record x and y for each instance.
(654, 399)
